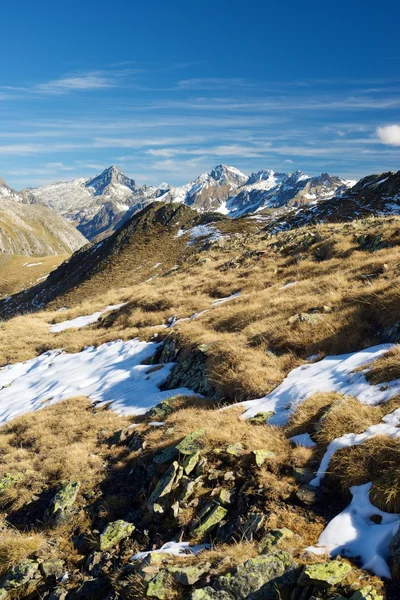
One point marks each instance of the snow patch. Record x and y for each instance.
(112, 373)
(332, 374)
(389, 426)
(84, 320)
(353, 534)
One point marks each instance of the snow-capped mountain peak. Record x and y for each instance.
(114, 177)
(226, 175)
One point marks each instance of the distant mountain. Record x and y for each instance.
(103, 203)
(373, 195)
(32, 229)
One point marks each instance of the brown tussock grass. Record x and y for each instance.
(346, 415)
(386, 368)
(16, 546)
(221, 428)
(61, 443)
(306, 415)
(376, 460)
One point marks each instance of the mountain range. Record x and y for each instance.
(101, 204)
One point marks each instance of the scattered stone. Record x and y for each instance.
(273, 538)
(190, 575)
(366, 593)
(190, 462)
(190, 444)
(63, 500)
(156, 587)
(261, 418)
(114, 533)
(252, 525)
(163, 487)
(235, 449)
(311, 319)
(308, 495)
(303, 475)
(53, 567)
(258, 578)
(208, 593)
(166, 455)
(150, 565)
(214, 517)
(20, 574)
(261, 456)
(324, 574)
(225, 496)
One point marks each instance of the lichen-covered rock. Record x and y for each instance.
(166, 455)
(190, 444)
(20, 574)
(273, 538)
(262, 578)
(261, 456)
(366, 593)
(9, 480)
(309, 318)
(261, 418)
(308, 494)
(324, 574)
(208, 593)
(3, 594)
(150, 565)
(63, 500)
(189, 575)
(190, 462)
(163, 488)
(53, 567)
(156, 586)
(213, 517)
(253, 524)
(235, 449)
(114, 533)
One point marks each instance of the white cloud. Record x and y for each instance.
(390, 135)
(89, 81)
(288, 161)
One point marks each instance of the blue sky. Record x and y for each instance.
(166, 90)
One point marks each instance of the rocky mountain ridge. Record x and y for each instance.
(101, 204)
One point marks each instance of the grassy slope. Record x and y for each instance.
(254, 344)
(16, 276)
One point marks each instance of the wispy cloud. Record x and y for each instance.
(214, 83)
(90, 81)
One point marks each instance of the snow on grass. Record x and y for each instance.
(84, 320)
(200, 231)
(226, 299)
(32, 264)
(332, 374)
(303, 439)
(174, 548)
(110, 373)
(287, 285)
(353, 534)
(389, 426)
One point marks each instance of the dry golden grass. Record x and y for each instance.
(376, 460)
(36, 445)
(346, 415)
(16, 546)
(306, 415)
(221, 428)
(15, 275)
(386, 368)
